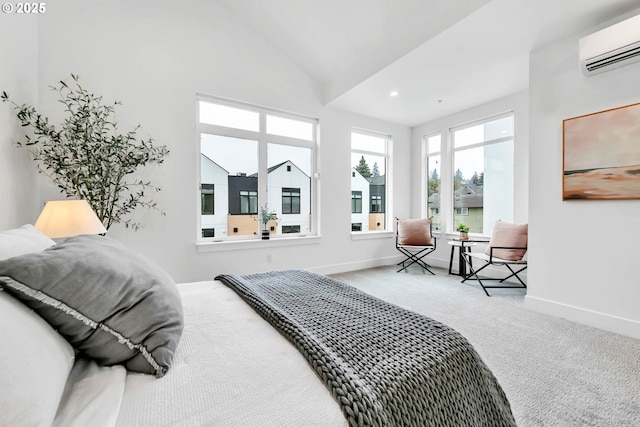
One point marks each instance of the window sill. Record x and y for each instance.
(229, 245)
(367, 235)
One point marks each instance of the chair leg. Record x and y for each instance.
(415, 258)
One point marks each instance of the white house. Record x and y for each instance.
(214, 188)
(289, 192)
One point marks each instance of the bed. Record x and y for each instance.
(246, 351)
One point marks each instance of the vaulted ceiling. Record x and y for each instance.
(440, 56)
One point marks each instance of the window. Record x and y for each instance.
(255, 157)
(208, 232)
(288, 229)
(356, 202)
(376, 203)
(483, 173)
(290, 201)
(369, 180)
(207, 200)
(433, 143)
(249, 202)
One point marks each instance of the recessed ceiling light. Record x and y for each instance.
(393, 93)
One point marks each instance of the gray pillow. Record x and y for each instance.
(109, 302)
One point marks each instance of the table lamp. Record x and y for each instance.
(66, 218)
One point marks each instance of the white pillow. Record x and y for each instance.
(35, 362)
(23, 240)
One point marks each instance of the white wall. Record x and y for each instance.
(583, 255)
(18, 77)
(155, 60)
(519, 104)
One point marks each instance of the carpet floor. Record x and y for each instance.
(554, 372)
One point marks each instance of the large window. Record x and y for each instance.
(483, 173)
(477, 185)
(255, 158)
(369, 180)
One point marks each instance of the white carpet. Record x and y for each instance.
(554, 372)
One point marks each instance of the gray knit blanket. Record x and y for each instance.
(384, 365)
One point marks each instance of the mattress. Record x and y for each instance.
(231, 369)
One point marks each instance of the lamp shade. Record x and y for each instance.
(66, 218)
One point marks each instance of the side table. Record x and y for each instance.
(463, 246)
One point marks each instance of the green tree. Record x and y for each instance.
(433, 183)
(457, 180)
(363, 168)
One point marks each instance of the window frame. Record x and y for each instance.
(263, 139)
(447, 170)
(294, 194)
(387, 205)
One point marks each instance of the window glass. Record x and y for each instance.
(483, 175)
(368, 181)
(433, 179)
(240, 176)
(289, 127)
(289, 186)
(223, 115)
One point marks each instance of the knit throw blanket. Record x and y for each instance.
(384, 365)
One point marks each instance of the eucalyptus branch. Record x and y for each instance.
(88, 158)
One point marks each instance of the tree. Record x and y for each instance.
(376, 171)
(88, 158)
(363, 168)
(475, 179)
(457, 180)
(433, 183)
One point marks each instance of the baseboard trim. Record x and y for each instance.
(607, 322)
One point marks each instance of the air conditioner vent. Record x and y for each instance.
(611, 47)
(626, 54)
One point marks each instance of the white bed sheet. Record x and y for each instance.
(231, 369)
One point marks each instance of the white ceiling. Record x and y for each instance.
(441, 56)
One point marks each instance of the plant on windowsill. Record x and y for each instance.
(265, 217)
(464, 232)
(88, 157)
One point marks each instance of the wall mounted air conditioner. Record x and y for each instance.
(611, 47)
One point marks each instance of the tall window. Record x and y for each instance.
(369, 180)
(249, 202)
(290, 201)
(207, 199)
(356, 202)
(483, 173)
(433, 144)
(256, 158)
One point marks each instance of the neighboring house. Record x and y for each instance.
(289, 195)
(230, 203)
(468, 208)
(377, 202)
(359, 202)
(214, 202)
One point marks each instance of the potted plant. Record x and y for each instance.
(88, 157)
(266, 216)
(464, 232)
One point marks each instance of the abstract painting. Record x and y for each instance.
(601, 155)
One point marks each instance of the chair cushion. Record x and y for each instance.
(510, 235)
(415, 232)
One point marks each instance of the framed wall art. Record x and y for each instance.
(601, 155)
